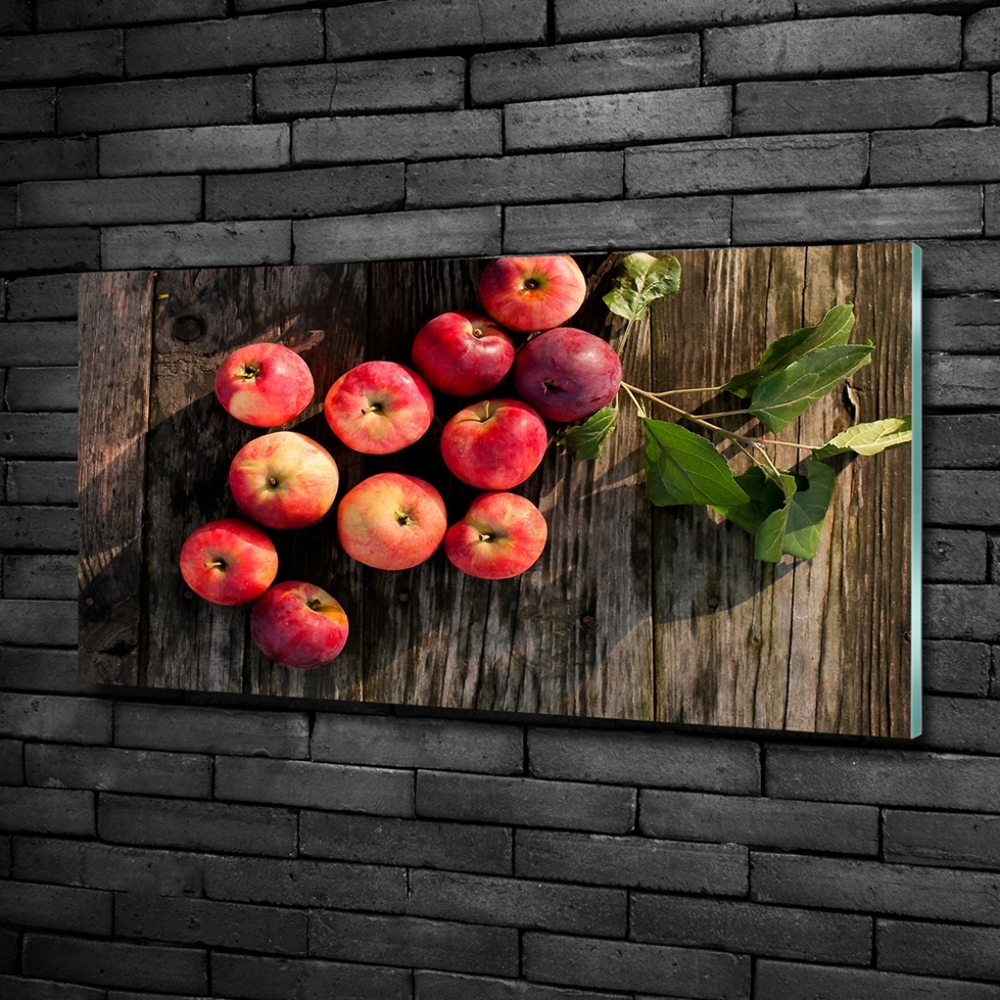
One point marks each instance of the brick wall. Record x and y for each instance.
(159, 844)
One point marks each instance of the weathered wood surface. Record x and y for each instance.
(631, 612)
(114, 404)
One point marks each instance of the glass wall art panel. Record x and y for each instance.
(674, 486)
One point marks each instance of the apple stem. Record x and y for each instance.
(485, 538)
(371, 409)
(216, 564)
(248, 371)
(403, 518)
(315, 604)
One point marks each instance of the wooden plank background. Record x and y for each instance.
(631, 612)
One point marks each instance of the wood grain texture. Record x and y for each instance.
(114, 409)
(632, 612)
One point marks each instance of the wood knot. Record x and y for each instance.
(89, 602)
(188, 328)
(588, 621)
(403, 596)
(713, 603)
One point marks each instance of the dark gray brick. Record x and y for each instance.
(939, 156)
(38, 344)
(56, 908)
(56, 14)
(8, 207)
(422, 843)
(596, 19)
(939, 949)
(305, 883)
(961, 266)
(962, 324)
(44, 482)
(605, 67)
(876, 214)
(962, 611)
(103, 202)
(759, 821)
(861, 104)
(783, 932)
(883, 777)
(150, 104)
(982, 38)
(578, 961)
(825, 8)
(46, 810)
(617, 119)
(872, 886)
(50, 250)
(259, 978)
(31, 577)
(43, 670)
(297, 193)
(9, 943)
(116, 963)
(43, 989)
(397, 137)
(962, 723)
(635, 758)
(80, 54)
(15, 16)
(104, 866)
(425, 83)
(39, 528)
(452, 232)
(632, 862)
(46, 296)
(991, 210)
(386, 741)
(961, 381)
(210, 826)
(197, 244)
(11, 762)
(28, 111)
(398, 25)
(525, 801)
(225, 44)
(954, 555)
(378, 791)
(515, 180)
(517, 903)
(959, 840)
(612, 225)
(51, 717)
(41, 389)
(838, 45)
(205, 921)
(108, 769)
(956, 667)
(747, 165)
(409, 941)
(452, 986)
(790, 981)
(212, 730)
(194, 150)
(960, 441)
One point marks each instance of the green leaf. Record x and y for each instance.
(766, 496)
(795, 529)
(584, 441)
(781, 397)
(869, 439)
(683, 467)
(641, 280)
(832, 331)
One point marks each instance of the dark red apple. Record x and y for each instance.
(567, 373)
(532, 293)
(495, 444)
(298, 625)
(501, 535)
(265, 385)
(228, 561)
(463, 353)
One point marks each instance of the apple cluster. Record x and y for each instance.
(284, 480)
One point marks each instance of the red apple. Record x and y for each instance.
(379, 407)
(532, 293)
(298, 625)
(463, 353)
(391, 521)
(284, 480)
(501, 536)
(567, 373)
(228, 561)
(265, 385)
(495, 444)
